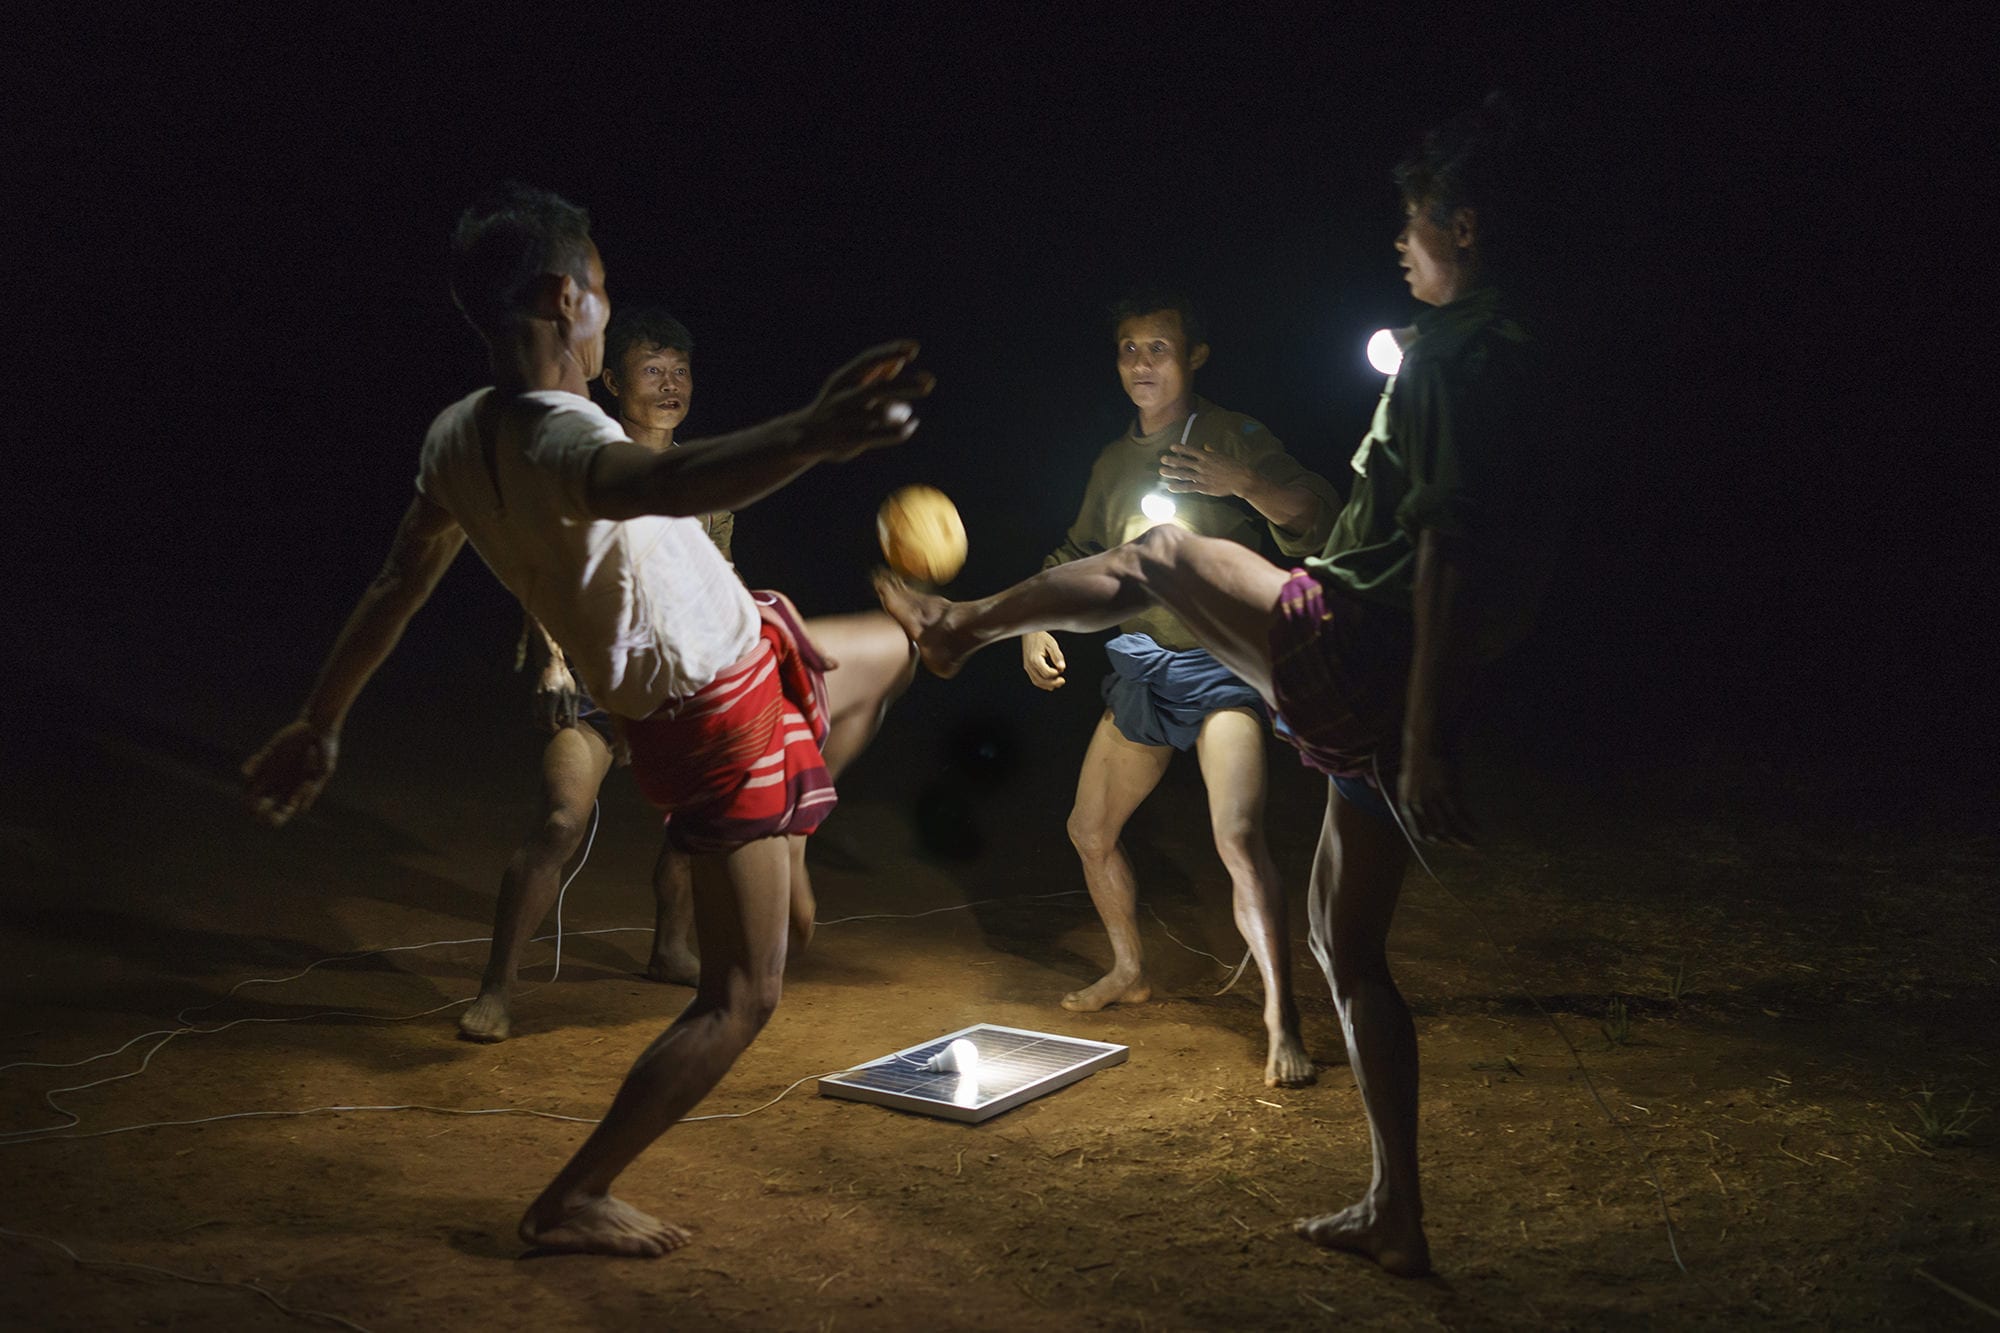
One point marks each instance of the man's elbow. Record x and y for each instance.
(392, 592)
(405, 582)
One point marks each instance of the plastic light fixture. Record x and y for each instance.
(1383, 352)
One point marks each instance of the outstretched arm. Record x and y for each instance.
(285, 776)
(1443, 664)
(865, 405)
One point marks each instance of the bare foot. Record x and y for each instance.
(1397, 1244)
(1289, 1066)
(600, 1225)
(675, 967)
(487, 1019)
(922, 617)
(1107, 990)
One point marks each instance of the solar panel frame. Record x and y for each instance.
(1023, 1057)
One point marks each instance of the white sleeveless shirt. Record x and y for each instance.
(646, 609)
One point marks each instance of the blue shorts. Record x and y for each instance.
(590, 715)
(1161, 697)
(1361, 794)
(1358, 792)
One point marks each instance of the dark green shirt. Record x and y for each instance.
(1129, 469)
(720, 527)
(1458, 451)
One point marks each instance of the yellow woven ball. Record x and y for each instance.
(922, 534)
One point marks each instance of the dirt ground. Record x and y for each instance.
(1791, 987)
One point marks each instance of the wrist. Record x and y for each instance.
(321, 723)
(795, 434)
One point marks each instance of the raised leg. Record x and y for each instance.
(875, 666)
(573, 768)
(742, 909)
(1224, 593)
(673, 958)
(1357, 877)
(1231, 750)
(1117, 775)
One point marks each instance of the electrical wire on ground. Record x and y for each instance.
(1652, 1172)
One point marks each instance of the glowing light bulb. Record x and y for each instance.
(1383, 352)
(961, 1057)
(1157, 507)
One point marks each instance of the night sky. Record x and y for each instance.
(236, 259)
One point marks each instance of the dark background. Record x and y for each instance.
(236, 327)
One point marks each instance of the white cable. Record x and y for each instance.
(1227, 986)
(563, 892)
(188, 1027)
(71, 1120)
(82, 1262)
(1652, 1173)
(955, 907)
(1235, 976)
(738, 1115)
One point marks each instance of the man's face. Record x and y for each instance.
(593, 313)
(1433, 264)
(654, 386)
(1155, 364)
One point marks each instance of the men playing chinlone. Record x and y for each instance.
(1368, 651)
(1165, 692)
(736, 713)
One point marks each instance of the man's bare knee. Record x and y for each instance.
(1239, 841)
(1089, 838)
(752, 1001)
(1158, 549)
(559, 834)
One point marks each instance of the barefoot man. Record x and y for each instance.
(723, 697)
(1165, 692)
(649, 373)
(1368, 652)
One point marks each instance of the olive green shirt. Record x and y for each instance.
(721, 529)
(1457, 451)
(1129, 469)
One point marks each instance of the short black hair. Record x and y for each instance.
(643, 326)
(1483, 159)
(511, 236)
(1147, 300)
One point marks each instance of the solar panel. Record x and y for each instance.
(1013, 1066)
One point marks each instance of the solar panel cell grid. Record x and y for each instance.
(1014, 1066)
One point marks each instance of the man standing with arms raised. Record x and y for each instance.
(722, 696)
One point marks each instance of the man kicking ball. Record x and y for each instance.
(724, 698)
(1368, 651)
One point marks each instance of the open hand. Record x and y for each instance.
(285, 777)
(556, 697)
(1043, 660)
(1203, 471)
(866, 404)
(1433, 800)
